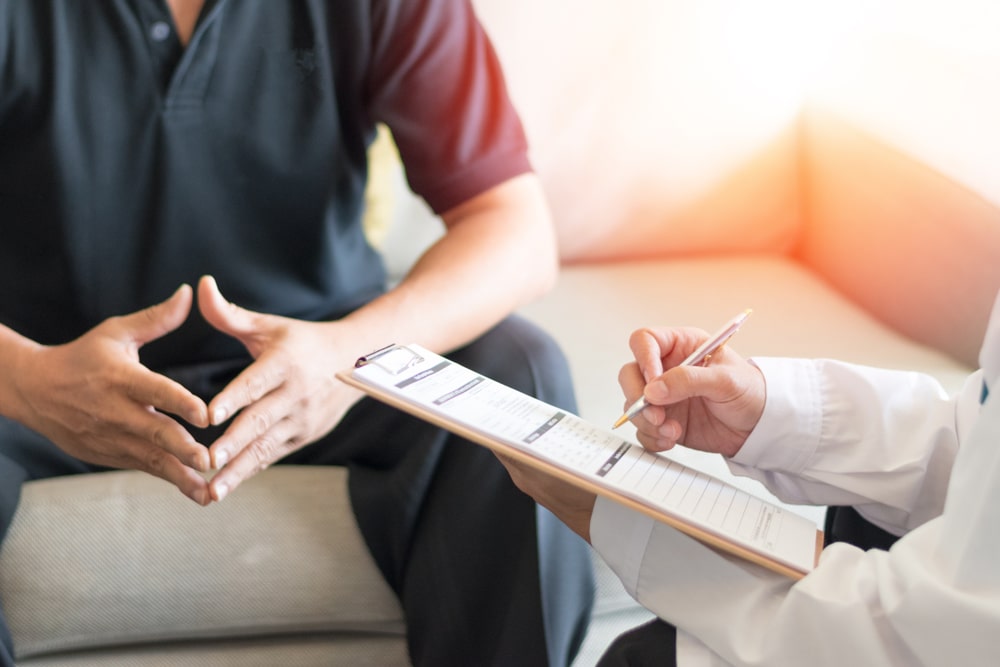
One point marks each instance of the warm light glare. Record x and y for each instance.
(780, 47)
(784, 45)
(676, 120)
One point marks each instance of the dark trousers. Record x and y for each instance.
(654, 643)
(485, 577)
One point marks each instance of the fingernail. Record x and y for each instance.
(218, 416)
(203, 463)
(221, 491)
(196, 417)
(221, 458)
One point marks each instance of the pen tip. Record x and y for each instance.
(621, 420)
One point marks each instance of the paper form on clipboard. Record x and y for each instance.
(503, 419)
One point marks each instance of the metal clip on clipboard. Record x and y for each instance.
(393, 359)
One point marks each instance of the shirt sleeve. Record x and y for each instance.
(436, 82)
(882, 441)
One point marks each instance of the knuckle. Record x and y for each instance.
(261, 451)
(730, 385)
(154, 393)
(156, 460)
(255, 387)
(108, 376)
(158, 436)
(128, 382)
(260, 423)
(152, 313)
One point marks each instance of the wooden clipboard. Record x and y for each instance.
(398, 398)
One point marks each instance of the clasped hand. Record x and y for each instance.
(94, 399)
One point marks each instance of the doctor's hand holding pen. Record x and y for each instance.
(687, 386)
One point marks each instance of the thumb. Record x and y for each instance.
(158, 320)
(227, 317)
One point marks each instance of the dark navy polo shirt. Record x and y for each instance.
(129, 164)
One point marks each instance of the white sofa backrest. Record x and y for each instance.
(903, 177)
(655, 125)
(860, 136)
(668, 127)
(924, 77)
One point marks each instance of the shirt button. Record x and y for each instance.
(159, 31)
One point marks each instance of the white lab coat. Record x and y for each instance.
(912, 460)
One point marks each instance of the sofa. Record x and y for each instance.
(831, 168)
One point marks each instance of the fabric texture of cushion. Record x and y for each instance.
(290, 560)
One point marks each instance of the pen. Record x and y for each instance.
(699, 356)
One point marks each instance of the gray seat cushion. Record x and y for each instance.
(122, 559)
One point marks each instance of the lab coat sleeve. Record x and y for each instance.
(882, 441)
(933, 599)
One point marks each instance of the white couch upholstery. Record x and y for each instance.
(833, 169)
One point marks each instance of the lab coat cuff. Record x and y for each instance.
(788, 434)
(620, 536)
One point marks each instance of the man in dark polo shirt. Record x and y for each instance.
(147, 145)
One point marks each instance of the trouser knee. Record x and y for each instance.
(520, 354)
